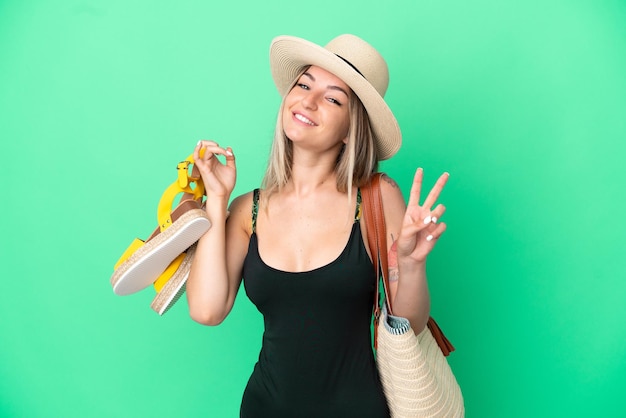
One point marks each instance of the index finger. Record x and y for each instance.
(210, 147)
(436, 190)
(416, 188)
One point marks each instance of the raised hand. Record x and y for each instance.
(420, 227)
(219, 178)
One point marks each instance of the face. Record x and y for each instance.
(315, 112)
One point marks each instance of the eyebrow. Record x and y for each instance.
(330, 87)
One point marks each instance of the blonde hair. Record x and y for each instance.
(356, 162)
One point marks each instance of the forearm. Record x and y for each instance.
(412, 299)
(208, 285)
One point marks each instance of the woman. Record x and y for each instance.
(300, 244)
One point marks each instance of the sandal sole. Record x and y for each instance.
(146, 264)
(175, 286)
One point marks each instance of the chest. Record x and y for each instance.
(343, 285)
(302, 238)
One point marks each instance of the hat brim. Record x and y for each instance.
(289, 55)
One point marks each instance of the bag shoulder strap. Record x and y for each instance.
(377, 243)
(376, 235)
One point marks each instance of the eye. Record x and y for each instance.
(302, 86)
(333, 101)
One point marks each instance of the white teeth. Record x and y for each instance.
(303, 119)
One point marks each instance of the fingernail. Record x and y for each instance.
(199, 142)
(434, 220)
(427, 219)
(429, 238)
(230, 154)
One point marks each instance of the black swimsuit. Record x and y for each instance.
(316, 359)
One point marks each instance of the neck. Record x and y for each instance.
(312, 171)
(309, 178)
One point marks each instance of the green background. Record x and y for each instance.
(523, 102)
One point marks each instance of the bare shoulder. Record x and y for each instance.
(393, 207)
(392, 195)
(240, 212)
(241, 201)
(388, 181)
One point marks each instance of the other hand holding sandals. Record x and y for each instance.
(165, 257)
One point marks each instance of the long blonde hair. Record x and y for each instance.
(356, 162)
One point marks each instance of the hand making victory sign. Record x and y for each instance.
(420, 229)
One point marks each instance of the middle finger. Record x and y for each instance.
(436, 190)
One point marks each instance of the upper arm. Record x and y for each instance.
(238, 231)
(394, 209)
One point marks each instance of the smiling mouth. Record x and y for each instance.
(304, 119)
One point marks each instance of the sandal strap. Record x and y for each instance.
(183, 184)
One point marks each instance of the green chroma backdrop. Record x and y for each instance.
(523, 102)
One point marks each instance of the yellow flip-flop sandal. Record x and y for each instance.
(144, 262)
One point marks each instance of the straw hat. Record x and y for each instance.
(355, 62)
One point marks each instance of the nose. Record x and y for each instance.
(309, 101)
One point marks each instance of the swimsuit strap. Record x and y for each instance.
(255, 208)
(358, 212)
